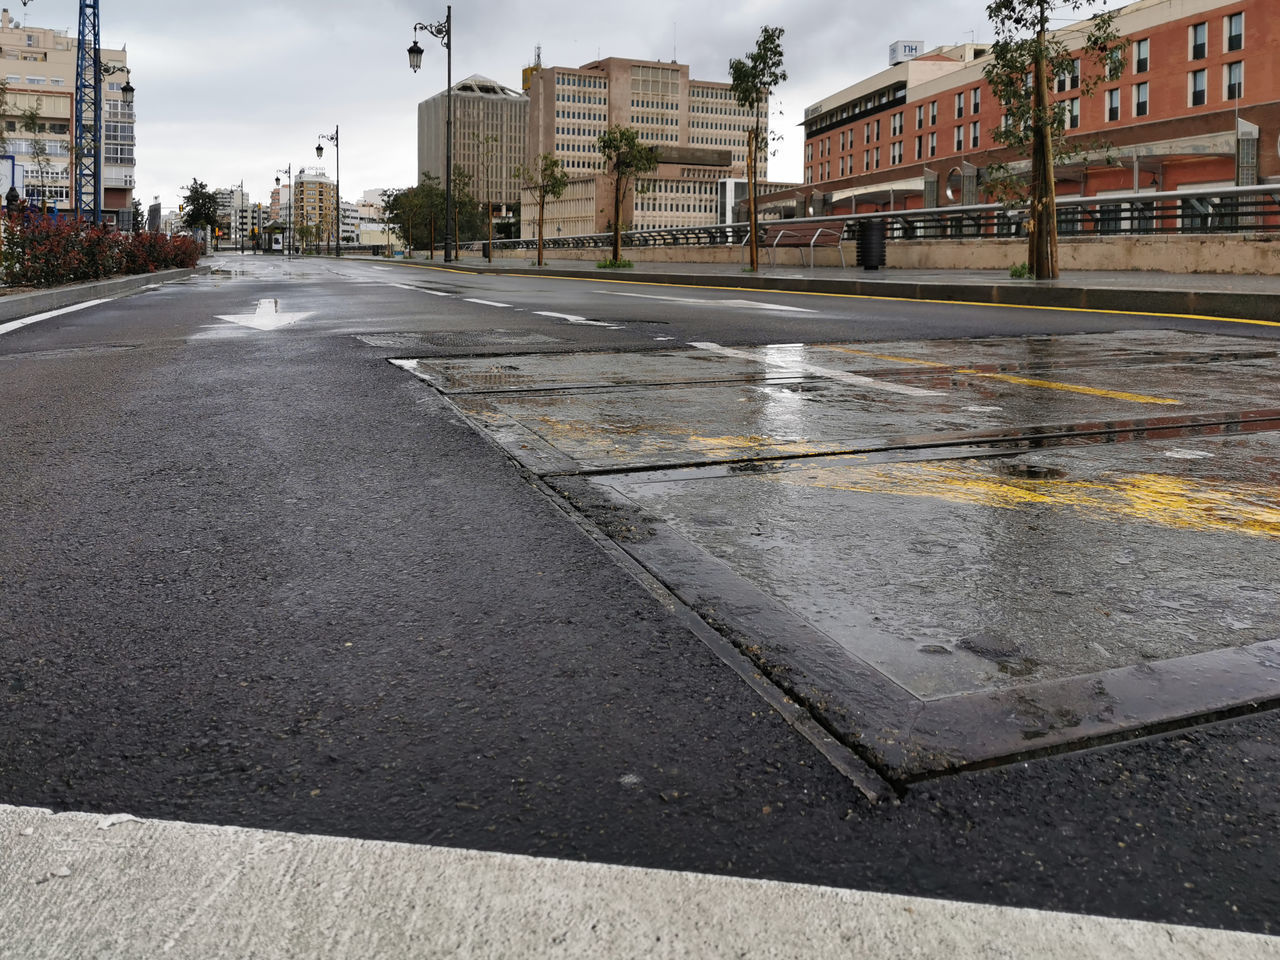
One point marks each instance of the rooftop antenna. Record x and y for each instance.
(537, 56)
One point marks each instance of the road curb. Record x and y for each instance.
(1263, 307)
(20, 305)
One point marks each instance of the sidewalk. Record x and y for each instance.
(134, 888)
(1247, 297)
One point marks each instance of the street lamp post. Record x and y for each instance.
(288, 219)
(337, 181)
(443, 31)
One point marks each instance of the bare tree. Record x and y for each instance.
(752, 81)
(547, 179)
(1023, 59)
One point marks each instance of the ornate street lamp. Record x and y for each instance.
(337, 181)
(288, 220)
(443, 31)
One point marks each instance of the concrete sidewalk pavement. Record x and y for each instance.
(94, 886)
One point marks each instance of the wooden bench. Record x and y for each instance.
(801, 235)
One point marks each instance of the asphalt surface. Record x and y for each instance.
(265, 578)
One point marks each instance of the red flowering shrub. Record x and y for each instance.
(41, 251)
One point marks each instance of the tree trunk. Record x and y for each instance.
(1042, 224)
(542, 205)
(752, 136)
(617, 219)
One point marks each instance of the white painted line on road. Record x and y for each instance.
(749, 304)
(152, 887)
(581, 321)
(486, 303)
(409, 286)
(27, 321)
(559, 316)
(266, 317)
(801, 366)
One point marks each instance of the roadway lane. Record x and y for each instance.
(263, 577)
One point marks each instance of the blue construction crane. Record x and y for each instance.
(87, 148)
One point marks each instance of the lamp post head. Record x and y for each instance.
(126, 92)
(319, 149)
(277, 181)
(415, 56)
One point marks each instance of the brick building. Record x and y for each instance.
(1197, 105)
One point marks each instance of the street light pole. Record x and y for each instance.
(288, 220)
(337, 181)
(443, 31)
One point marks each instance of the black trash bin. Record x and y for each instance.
(871, 244)
(484, 249)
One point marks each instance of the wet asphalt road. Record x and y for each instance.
(265, 578)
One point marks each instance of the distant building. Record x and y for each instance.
(700, 131)
(489, 128)
(1197, 105)
(41, 75)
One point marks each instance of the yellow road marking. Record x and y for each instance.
(882, 356)
(1181, 502)
(1072, 388)
(1007, 378)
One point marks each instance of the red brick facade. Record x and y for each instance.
(1194, 67)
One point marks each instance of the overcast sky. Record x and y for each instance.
(234, 90)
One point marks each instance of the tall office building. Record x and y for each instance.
(489, 124)
(697, 125)
(41, 78)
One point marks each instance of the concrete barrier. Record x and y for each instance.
(15, 306)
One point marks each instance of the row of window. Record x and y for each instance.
(1140, 105)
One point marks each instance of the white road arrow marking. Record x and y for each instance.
(267, 317)
(800, 366)
(749, 304)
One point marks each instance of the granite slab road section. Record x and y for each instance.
(15, 306)
(151, 888)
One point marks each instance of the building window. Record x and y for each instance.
(895, 125)
(877, 130)
(1141, 56)
(976, 98)
(1073, 113)
(959, 105)
(1234, 75)
(933, 113)
(1113, 106)
(866, 133)
(895, 153)
(1198, 35)
(920, 148)
(1141, 99)
(960, 138)
(920, 117)
(975, 135)
(933, 144)
(1068, 81)
(876, 158)
(1198, 83)
(1234, 25)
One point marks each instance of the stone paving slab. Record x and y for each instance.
(951, 552)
